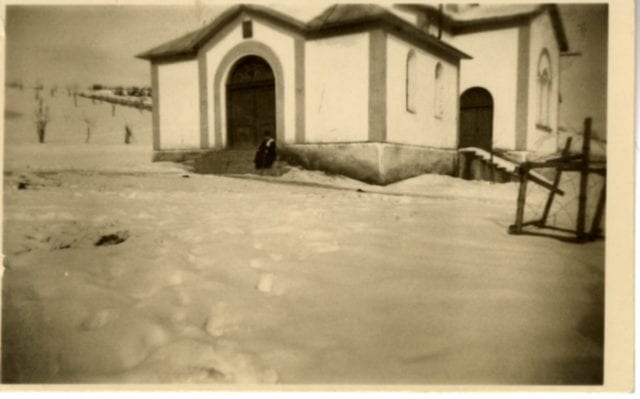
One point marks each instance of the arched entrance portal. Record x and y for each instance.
(251, 103)
(476, 119)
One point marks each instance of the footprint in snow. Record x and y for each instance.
(219, 320)
(215, 326)
(182, 298)
(98, 319)
(266, 284)
(175, 278)
(178, 316)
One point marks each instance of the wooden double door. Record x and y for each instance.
(476, 119)
(251, 103)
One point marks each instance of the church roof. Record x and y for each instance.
(470, 18)
(188, 44)
(345, 18)
(336, 20)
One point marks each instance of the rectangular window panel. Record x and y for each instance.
(247, 29)
(438, 93)
(410, 82)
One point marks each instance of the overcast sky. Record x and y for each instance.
(97, 44)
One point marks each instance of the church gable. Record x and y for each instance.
(188, 45)
(248, 35)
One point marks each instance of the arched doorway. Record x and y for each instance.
(251, 103)
(476, 119)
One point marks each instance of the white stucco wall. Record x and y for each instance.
(420, 127)
(179, 112)
(494, 67)
(283, 45)
(337, 89)
(542, 36)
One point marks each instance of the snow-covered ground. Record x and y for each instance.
(300, 279)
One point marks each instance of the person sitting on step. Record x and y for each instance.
(266, 153)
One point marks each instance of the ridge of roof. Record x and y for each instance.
(454, 22)
(340, 17)
(332, 21)
(340, 13)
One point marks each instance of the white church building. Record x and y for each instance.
(376, 93)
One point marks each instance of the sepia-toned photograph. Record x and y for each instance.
(306, 194)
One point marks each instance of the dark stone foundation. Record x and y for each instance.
(178, 155)
(376, 163)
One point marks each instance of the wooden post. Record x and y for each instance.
(597, 218)
(522, 196)
(584, 180)
(556, 184)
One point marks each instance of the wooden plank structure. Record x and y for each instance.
(577, 163)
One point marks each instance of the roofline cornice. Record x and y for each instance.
(203, 35)
(387, 21)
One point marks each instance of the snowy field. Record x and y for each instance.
(119, 270)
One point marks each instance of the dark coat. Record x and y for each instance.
(266, 154)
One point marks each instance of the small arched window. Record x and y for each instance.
(545, 80)
(438, 92)
(410, 82)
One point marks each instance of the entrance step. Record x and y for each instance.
(233, 162)
(225, 162)
(478, 164)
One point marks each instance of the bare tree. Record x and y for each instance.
(128, 134)
(38, 87)
(140, 104)
(15, 84)
(42, 119)
(72, 91)
(89, 123)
